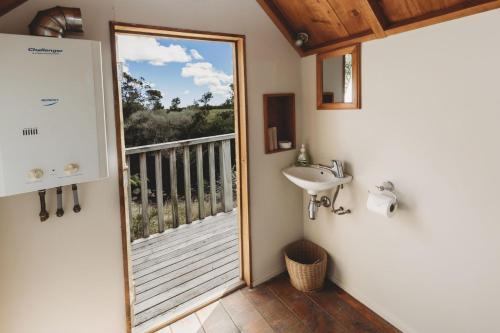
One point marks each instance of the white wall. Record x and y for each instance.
(66, 275)
(429, 123)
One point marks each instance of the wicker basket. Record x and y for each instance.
(306, 265)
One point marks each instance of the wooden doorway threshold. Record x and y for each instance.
(194, 306)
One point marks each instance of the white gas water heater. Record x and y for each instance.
(52, 120)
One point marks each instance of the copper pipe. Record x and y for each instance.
(56, 22)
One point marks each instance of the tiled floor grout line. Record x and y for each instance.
(229, 314)
(199, 322)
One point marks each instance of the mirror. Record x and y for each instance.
(338, 79)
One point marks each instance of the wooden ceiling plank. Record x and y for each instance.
(7, 6)
(398, 11)
(313, 17)
(337, 18)
(465, 9)
(279, 20)
(350, 15)
(375, 17)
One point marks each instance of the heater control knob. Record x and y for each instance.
(35, 174)
(71, 169)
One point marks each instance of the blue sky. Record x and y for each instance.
(179, 67)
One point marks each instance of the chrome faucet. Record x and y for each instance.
(335, 167)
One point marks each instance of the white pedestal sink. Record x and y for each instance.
(314, 179)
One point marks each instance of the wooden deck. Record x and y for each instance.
(183, 267)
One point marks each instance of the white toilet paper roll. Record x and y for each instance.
(382, 203)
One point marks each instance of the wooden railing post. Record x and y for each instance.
(173, 188)
(226, 175)
(211, 170)
(200, 181)
(224, 145)
(159, 191)
(187, 184)
(144, 194)
(129, 191)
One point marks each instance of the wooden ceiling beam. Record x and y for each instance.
(375, 17)
(444, 15)
(340, 43)
(378, 20)
(8, 5)
(279, 20)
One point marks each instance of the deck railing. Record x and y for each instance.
(170, 150)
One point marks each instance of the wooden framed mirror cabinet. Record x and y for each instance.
(338, 77)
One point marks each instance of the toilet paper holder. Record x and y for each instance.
(384, 207)
(389, 188)
(386, 186)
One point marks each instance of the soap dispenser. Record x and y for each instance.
(303, 159)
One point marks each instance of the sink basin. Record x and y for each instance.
(314, 180)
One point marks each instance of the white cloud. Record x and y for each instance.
(125, 68)
(186, 92)
(142, 48)
(204, 74)
(196, 55)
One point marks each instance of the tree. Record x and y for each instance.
(157, 126)
(205, 100)
(154, 98)
(132, 97)
(146, 122)
(137, 95)
(229, 103)
(195, 105)
(174, 105)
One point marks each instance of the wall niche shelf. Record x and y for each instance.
(279, 113)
